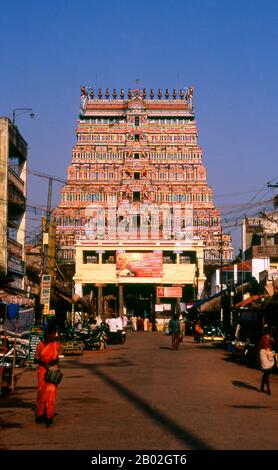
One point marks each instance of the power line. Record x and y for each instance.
(36, 173)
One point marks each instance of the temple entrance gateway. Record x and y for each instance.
(138, 299)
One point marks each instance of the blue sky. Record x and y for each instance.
(227, 49)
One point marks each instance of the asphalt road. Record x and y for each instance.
(142, 395)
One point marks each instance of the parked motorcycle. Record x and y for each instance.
(245, 351)
(212, 334)
(21, 355)
(89, 339)
(96, 339)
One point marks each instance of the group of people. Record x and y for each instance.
(116, 323)
(48, 352)
(266, 348)
(141, 324)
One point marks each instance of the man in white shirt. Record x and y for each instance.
(112, 323)
(119, 323)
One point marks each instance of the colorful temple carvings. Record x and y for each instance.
(138, 147)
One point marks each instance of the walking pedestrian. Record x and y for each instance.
(198, 331)
(174, 330)
(267, 356)
(134, 322)
(182, 326)
(46, 356)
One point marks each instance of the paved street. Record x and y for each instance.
(143, 395)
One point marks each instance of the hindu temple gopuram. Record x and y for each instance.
(136, 214)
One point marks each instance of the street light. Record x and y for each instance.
(19, 111)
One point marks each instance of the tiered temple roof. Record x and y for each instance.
(138, 147)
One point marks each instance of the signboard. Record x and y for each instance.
(167, 307)
(45, 309)
(34, 338)
(159, 307)
(169, 292)
(163, 307)
(147, 264)
(16, 265)
(45, 292)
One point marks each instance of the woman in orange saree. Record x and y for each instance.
(47, 355)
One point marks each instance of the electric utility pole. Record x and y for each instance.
(221, 272)
(48, 248)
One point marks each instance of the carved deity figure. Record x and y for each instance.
(83, 98)
(189, 94)
(145, 192)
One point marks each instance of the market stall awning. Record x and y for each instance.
(249, 300)
(13, 297)
(212, 304)
(200, 302)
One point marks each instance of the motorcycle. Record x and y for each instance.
(96, 339)
(245, 351)
(212, 334)
(21, 355)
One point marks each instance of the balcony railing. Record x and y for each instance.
(15, 197)
(269, 251)
(16, 181)
(14, 248)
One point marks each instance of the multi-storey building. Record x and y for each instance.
(137, 157)
(13, 158)
(260, 242)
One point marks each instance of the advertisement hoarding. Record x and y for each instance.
(147, 264)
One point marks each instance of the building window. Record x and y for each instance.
(108, 257)
(90, 257)
(136, 137)
(137, 176)
(136, 196)
(185, 259)
(136, 156)
(14, 164)
(137, 120)
(169, 257)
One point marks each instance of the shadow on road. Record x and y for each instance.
(249, 406)
(9, 425)
(240, 384)
(15, 402)
(186, 437)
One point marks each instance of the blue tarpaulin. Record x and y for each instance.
(12, 311)
(26, 318)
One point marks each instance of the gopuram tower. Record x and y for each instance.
(139, 149)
